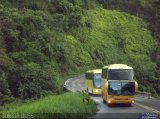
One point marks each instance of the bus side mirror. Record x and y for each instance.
(136, 86)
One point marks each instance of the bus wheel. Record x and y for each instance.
(92, 92)
(130, 104)
(87, 91)
(109, 105)
(103, 100)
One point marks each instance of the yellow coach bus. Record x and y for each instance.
(93, 81)
(119, 85)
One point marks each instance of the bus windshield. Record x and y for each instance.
(120, 74)
(121, 88)
(97, 80)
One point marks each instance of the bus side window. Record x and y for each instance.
(89, 76)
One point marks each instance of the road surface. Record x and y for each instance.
(141, 107)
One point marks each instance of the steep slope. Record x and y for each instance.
(45, 42)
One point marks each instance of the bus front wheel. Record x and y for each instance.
(103, 100)
(92, 92)
(130, 104)
(87, 90)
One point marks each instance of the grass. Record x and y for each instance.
(66, 105)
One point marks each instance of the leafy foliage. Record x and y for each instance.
(4, 90)
(43, 41)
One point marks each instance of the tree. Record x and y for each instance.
(5, 93)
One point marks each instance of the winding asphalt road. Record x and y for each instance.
(142, 107)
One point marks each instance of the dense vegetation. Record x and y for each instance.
(55, 106)
(149, 10)
(43, 41)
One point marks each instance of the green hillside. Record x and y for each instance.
(55, 106)
(43, 42)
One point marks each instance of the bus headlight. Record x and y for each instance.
(96, 91)
(109, 101)
(132, 101)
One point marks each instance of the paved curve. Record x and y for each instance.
(118, 111)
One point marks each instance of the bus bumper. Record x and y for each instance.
(121, 101)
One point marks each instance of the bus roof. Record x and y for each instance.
(121, 81)
(117, 66)
(94, 71)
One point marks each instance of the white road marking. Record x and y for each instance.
(148, 108)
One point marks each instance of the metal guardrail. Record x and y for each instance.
(144, 94)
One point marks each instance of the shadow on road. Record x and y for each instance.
(119, 105)
(97, 95)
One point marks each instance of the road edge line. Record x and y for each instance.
(147, 107)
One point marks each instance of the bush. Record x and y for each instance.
(5, 94)
(33, 81)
